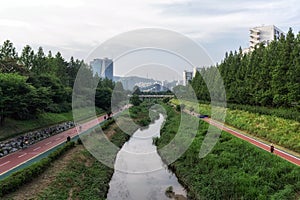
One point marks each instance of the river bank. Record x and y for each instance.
(81, 175)
(234, 169)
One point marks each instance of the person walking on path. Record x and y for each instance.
(272, 148)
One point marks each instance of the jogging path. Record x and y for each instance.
(291, 158)
(18, 158)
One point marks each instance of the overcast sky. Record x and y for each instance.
(76, 27)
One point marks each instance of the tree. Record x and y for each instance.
(60, 68)
(267, 76)
(134, 100)
(59, 95)
(8, 51)
(40, 62)
(72, 70)
(27, 57)
(15, 97)
(136, 90)
(119, 95)
(9, 59)
(103, 98)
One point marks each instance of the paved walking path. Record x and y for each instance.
(20, 157)
(287, 156)
(280, 153)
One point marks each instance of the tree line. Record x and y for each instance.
(33, 82)
(268, 76)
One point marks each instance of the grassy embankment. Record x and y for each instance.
(274, 129)
(86, 178)
(234, 169)
(12, 127)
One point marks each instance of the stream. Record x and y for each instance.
(140, 174)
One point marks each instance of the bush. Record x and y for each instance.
(79, 142)
(107, 123)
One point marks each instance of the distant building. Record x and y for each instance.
(262, 34)
(96, 65)
(195, 71)
(109, 68)
(156, 87)
(187, 76)
(179, 82)
(103, 67)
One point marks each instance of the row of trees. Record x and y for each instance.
(268, 76)
(34, 82)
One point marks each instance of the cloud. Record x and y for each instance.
(73, 26)
(13, 23)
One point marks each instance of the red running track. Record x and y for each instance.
(257, 143)
(17, 158)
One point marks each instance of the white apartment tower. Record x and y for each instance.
(187, 76)
(103, 67)
(263, 34)
(195, 71)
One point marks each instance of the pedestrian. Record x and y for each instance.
(272, 148)
(68, 138)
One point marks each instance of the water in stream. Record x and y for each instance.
(140, 173)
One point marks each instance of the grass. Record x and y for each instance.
(26, 175)
(280, 131)
(234, 169)
(85, 177)
(12, 127)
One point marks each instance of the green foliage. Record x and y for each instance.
(84, 176)
(14, 127)
(102, 98)
(166, 100)
(136, 90)
(79, 141)
(107, 123)
(34, 83)
(284, 132)
(268, 76)
(134, 100)
(17, 179)
(18, 98)
(287, 113)
(234, 169)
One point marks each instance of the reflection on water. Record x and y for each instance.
(141, 173)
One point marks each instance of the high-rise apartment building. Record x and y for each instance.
(262, 34)
(187, 76)
(103, 67)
